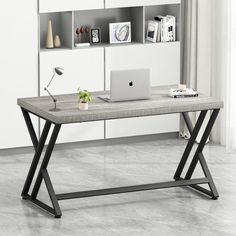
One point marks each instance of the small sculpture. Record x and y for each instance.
(82, 34)
(78, 34)
(57, 41)
(82, 30)
(49, 40)
(87, 39)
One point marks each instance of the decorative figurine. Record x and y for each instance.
(49, 40)
(57, 41)
(82, 36)
(79, 35)
(82, 31)
(87, 31)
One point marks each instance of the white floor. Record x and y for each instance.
(176, 212)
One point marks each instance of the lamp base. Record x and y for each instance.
(55, 109)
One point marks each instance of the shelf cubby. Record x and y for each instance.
(102, 17)
(61, 25)
(167, 9)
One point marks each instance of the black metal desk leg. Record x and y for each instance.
(30, 128)
(179, 182)
(36, 159)
(194, 134)
(202, 143)
(52, 194)
(207, 173)
(200, 157)
(45, 161)
(188, 122)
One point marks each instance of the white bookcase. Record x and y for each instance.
(90, 67)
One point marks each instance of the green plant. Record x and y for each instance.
(84, 96)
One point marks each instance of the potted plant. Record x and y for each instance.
(84, 99)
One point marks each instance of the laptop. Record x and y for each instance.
(127, 85)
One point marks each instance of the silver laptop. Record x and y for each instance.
(129, 85)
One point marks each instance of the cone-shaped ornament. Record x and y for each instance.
(49, 40)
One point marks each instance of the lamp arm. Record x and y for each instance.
(51, 79)
(54, 99)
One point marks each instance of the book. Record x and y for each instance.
(177, 93)
(163, 27)
(159, 33)
(160, 26)
(167, 27)
(172, 27)
(152, 31)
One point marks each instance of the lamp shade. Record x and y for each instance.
(59, 70)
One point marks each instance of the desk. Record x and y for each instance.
(159, 104)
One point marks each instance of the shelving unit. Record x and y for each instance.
(65, 23)
(90, 67)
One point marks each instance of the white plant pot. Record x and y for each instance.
(83, 106)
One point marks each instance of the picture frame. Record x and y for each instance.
(120, 32)
(152, 31)
(95, 35)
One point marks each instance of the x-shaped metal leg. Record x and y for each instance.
(198, 156)
(43, 173)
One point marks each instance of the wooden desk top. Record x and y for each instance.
(159, 104)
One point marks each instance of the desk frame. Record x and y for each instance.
(178, 180)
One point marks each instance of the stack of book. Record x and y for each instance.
(178, 93)
(162, 29)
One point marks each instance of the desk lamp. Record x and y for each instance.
(59, 71)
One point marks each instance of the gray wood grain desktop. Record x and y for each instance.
(159, 104)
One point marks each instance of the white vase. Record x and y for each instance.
(49, 40)
(83, 106)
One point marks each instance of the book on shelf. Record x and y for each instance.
(152, 31)
(178, 93)
(161, 21)
(167, 28)
(171, 28)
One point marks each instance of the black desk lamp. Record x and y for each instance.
(59, 71)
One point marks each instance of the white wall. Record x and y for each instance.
(18, 67)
